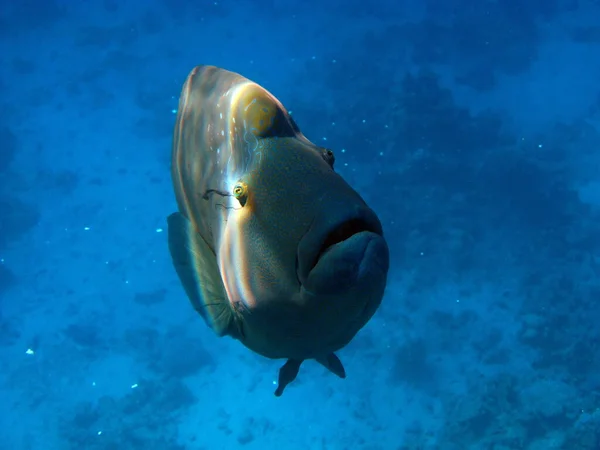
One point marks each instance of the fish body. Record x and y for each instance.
(272, 246)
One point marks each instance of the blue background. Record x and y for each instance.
(471, 127)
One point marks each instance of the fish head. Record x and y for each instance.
(302, 250)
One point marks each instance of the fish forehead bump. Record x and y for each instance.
(225, 113)
(260, 112)
(245, 106)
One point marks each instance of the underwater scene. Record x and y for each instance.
(309, 225)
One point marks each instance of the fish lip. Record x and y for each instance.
(344, 230)
(325, 233)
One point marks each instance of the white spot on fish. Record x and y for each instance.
(250, 104)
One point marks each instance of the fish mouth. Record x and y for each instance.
(339, 249)
(344, 231)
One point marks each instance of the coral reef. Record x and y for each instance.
(143, 419)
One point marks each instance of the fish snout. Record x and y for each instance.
(344, 253)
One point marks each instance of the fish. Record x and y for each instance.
(271, 245)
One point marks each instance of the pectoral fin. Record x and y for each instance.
(287, 374)
(333, 363)
(196, 265)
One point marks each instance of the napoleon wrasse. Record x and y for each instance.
(271, 245)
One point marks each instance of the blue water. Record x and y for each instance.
(471, 127)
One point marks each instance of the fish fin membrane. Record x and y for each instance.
(333, 364)
(196, 265)
(287, 374)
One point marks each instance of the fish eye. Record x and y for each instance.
(240, 191)
(328, 156)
